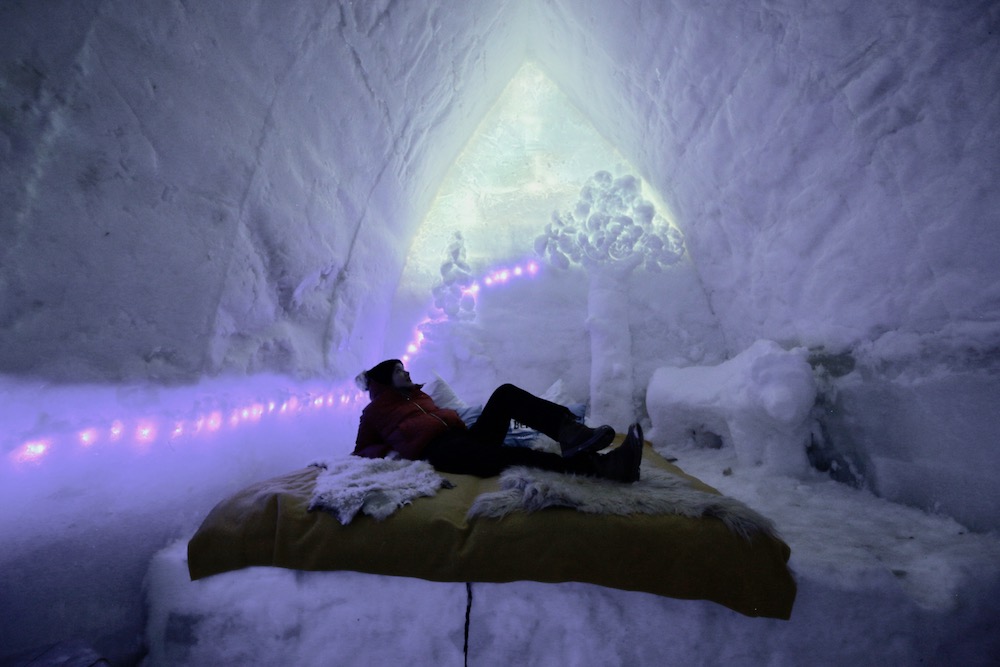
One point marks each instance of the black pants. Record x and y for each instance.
(480, 450)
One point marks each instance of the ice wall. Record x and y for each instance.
(189, 189)
(833, 165)
(192, 190)
(833, 169)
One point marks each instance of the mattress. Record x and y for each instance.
(268, 524)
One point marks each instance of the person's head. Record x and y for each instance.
(389, 373)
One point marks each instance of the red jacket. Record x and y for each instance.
(404, 423)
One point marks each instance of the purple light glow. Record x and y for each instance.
(494, 278)
(143, 431)
(31, 452)
(417, 340)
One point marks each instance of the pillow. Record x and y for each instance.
(556, 394)
(444, 396)
(470, 413)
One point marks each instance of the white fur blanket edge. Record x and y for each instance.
(657, 492)
(375, 487)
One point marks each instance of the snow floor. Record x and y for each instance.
(879, 583)
(850, 539)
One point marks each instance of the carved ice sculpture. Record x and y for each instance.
(611, 232)
(759, 402)
(451, 294)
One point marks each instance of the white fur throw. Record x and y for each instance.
(657, 492)
(376, 487)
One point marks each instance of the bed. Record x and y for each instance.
(433, 539)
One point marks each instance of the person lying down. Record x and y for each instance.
(403, 419)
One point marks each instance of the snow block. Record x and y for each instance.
(530, 623)
(922, 436)
(757, 402)
(272, 616)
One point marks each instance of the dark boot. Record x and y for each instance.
(575, 438)
(622, 464)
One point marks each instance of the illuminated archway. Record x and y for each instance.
(529, 156)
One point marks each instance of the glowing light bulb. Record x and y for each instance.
(116, 429)
(87, 437)
(178, 430)
(145, 432)
(32, 451)
(518, 270)
(214, 421)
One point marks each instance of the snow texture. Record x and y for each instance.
(759, 403)
(877, 582)
(204, 203)
(277, 617)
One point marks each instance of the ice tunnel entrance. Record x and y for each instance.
(529, 157)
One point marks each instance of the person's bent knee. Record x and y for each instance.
(506, 390)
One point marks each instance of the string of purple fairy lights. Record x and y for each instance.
(495, 278)
(148, 430)
(145, 431)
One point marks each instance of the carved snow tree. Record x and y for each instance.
(451, 294)
(611, 232)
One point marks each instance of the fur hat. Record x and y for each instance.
(380, 373)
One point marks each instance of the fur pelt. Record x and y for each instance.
(657, 492)
(376, 487)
